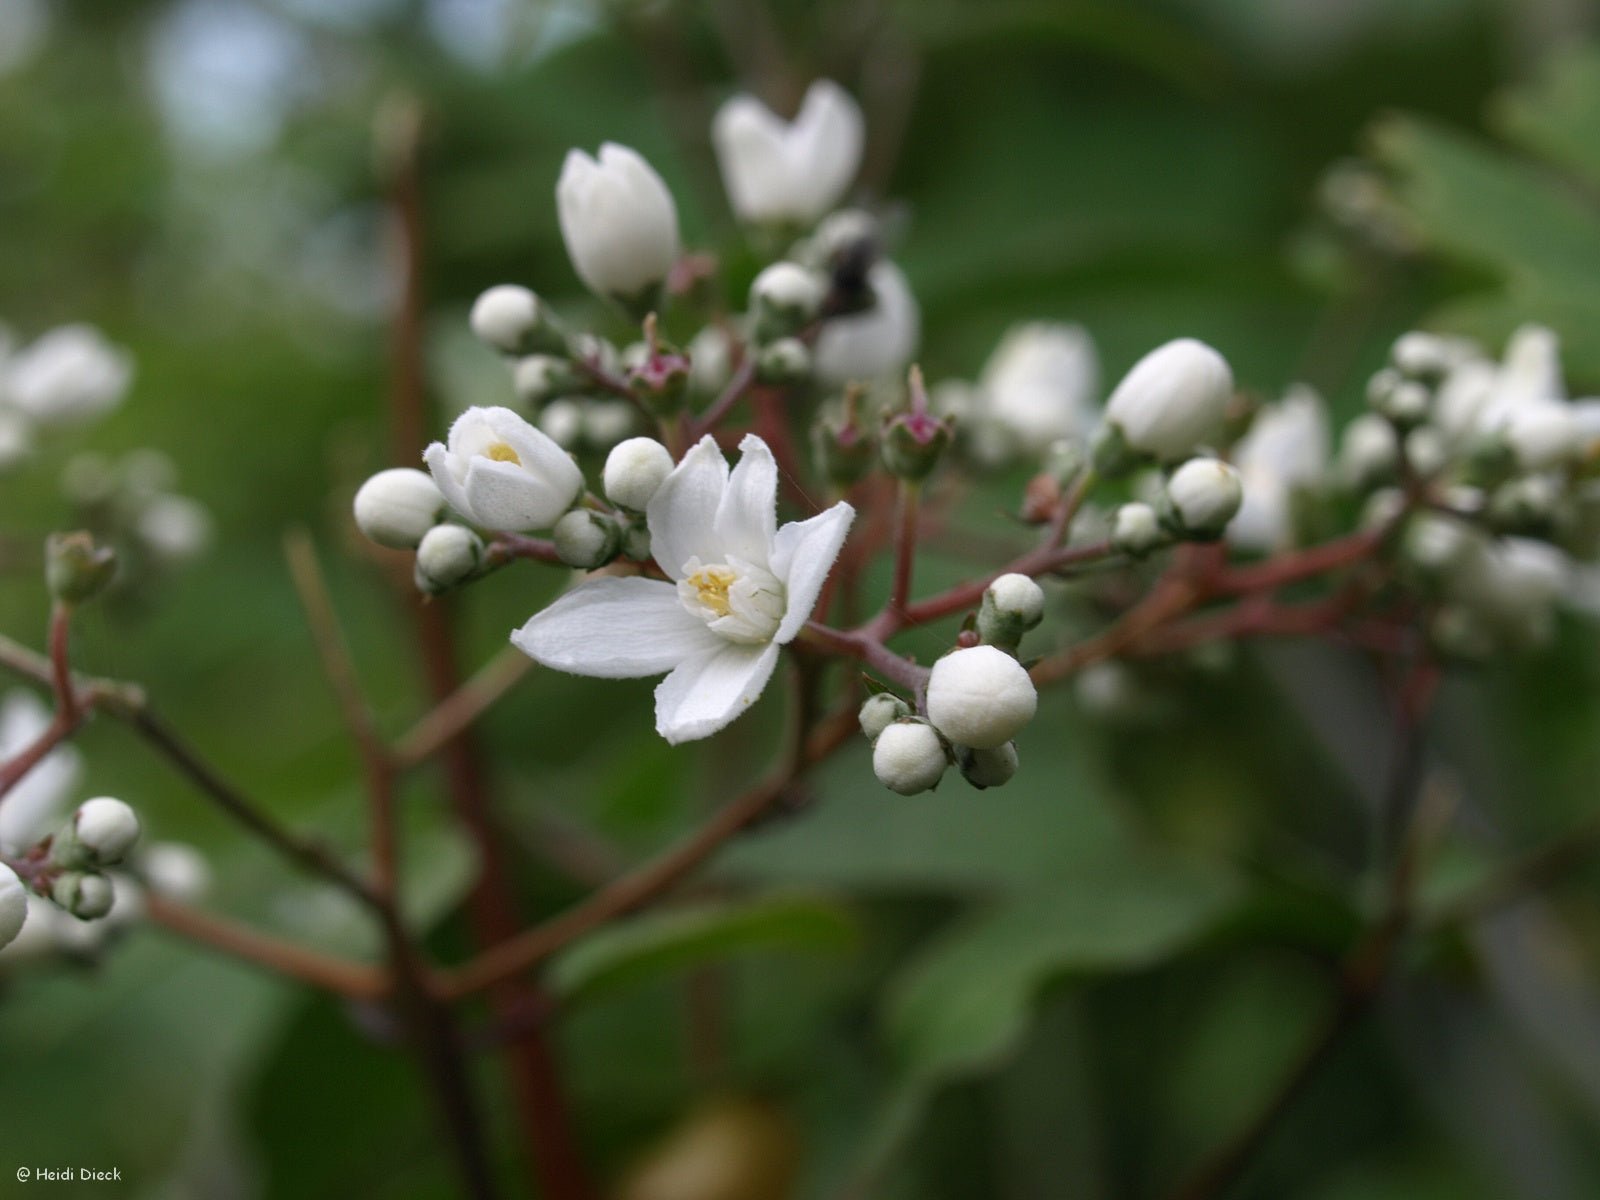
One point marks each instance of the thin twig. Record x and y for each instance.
(461, 708)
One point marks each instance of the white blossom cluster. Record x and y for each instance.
(86, 873)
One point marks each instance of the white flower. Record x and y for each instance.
(1040, 383)
(1205, 494)
(69, 374)
(106, 828)
(1173, 399)
(634, 470)
(13, 906)
(618, 220)
(908, 757)
(740, 587)
(397, 507)
(30, 809)
(980, 697)
(1522, 400)
(788, 171)
(874, 344)
(501, 473)
(1286, 449)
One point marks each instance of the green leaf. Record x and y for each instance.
(633, 951)
(964, 1003)
(1557, 116)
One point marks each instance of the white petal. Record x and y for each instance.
(612, 628)
(827, 138)
(439, 464)
(704, 694)
(747, 517)
(682, 514)
(803, 553)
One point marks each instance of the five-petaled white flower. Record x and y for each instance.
(499, 472)
(738, 588)
(777, 170)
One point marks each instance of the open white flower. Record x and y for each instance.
(30, 810)
(1286, 448)
(777, 170)
(618, 220)
(739, 588)
(501, 473)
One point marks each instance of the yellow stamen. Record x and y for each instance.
(711, 588)
(500, 452)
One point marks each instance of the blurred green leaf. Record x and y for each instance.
(644, 947)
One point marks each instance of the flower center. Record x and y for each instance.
(711, 586)
(739, 600)
(500, 452)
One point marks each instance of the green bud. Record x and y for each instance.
(987, 768)
(76, 568)
(1111, 454)
(87, 895)
(913, 444)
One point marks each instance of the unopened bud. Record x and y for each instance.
(1136, 530)
(449, 555)
(661, 381)
(988, 768)
(87, 895)
(1528, 505)
(634, 470)
(77, 569)
(1403, 401)
(586, 539)
(909, 757)
(513, 320)
(541, 378)
(397, 507)
(1012, 605)
(1202, 497)
(845, 450)
(783, 362)
(636, 540)
(980, 697)
(100, 834)
(1369, 452)
(783, 298)
(1172, 400)
(13, 905)
(879, 711)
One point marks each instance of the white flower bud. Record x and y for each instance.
(1136, 530)
(1435, 544)
(785, 361)
(1430, 355)
(1204, 493)
(980, 697)
(1426, 450)
(397, 507)
(539, 378)
(784, 297)
(13, 906)
(586, 539)
(988, 768)
(105, 829)
(634, 470)
(879, 711)
(1404, 401)
(513, 320)
(908, 757)
(607, 422)
(619, 222)
(1018, 598)
(174, 528)
(68, 375)
(1369, 452)
(448, 555)
(562, 422)
(1041, 383)
(710, 360)
(176, 870)
(87, 895)
(1172, 400)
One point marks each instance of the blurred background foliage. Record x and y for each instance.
(1071, 987)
